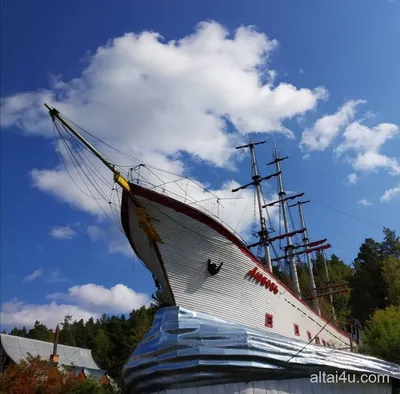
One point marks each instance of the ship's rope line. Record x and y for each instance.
(68, 172)
(93, 182)
(308, 343)
(175, 180)
(65, 118)
(309, 286)
(200, 207)
(76, 164)
(242, 215)
(135, 159)
(196, 202)
(351, 216)
(115, 211)
(298, 240)
(154, 186)
(323, 205)
(186, 193)
(205, 210)
(94, 170)
(79, 169)
(99, 176)
(152, 172)
(274, 250)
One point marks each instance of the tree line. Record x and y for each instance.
(373, 299)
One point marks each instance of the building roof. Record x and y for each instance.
(19, 349)
(96, 373)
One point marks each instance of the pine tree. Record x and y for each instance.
(40, 332)
(390, 246)
(368, 288)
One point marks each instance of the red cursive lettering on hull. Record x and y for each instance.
(263, 281)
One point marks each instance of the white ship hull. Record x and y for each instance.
(243, 291)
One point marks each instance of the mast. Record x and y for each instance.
(118, 178)
(289, 245)
(257, 183)
(328, 283)
(264, 234)
(309, 263)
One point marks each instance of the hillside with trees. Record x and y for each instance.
(373, 299)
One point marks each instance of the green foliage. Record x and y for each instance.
(375, 283)
(36, 376)
(390, 246)
(381, 338)
(90, 386)
(41, 332)
(391, 276)
(20, 332)
(43, 377)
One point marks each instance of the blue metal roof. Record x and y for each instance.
(188, 349)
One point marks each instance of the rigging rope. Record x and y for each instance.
(80, 170)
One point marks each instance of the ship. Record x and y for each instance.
(203, 265)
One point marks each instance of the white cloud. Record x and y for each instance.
(95, 232)
(117, 299)
(34, 275)
(84, 302)
(366, 143)
(138, 89)
(362, 138)
(325, 129)
(371, 161)
(15, 313)
(364, 202)
(352, 178)
(114, 239)
(54, 276)
(64, 232)
(390, 194)
(120, 245)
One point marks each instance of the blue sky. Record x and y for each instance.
(82, 267)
